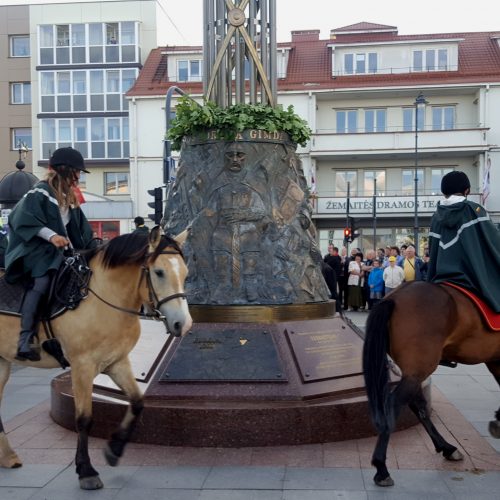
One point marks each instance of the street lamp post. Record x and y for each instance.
(420, 102)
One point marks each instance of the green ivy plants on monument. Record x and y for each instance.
(193, 119)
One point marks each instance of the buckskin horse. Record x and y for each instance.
(419, 325)
(97, 337)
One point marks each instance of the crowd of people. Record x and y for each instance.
(363, 280)
(459, 229)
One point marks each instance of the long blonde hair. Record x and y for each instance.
(63, 188)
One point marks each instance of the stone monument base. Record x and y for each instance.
(246, 383)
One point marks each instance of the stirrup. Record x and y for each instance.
(449, 364)
(53, 347)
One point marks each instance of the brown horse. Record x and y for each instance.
(97, 337)
(419, 325)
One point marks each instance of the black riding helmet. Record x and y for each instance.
(455, 182)
(69, 158)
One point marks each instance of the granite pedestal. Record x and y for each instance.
(278, 381)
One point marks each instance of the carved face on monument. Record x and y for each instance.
(234, 157)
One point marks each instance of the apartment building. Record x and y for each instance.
(71, 64)
(358, 91)
(15, 87)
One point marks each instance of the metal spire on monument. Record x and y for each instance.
(239, 39)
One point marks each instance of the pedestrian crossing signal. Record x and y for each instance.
(347, 234)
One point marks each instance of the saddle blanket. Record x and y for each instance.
(492, 318)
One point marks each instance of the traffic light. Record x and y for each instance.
(157, 204)
(347, 235)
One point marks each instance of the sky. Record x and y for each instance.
(424, 16)
(181, 23)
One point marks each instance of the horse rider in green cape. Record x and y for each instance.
(464, 243)
(45, 222)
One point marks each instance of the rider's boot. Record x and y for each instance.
(29, 327)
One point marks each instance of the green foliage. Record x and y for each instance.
(192, 119)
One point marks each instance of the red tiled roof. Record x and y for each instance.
(310, 64)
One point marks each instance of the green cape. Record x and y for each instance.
(27, 254)
(465, 249)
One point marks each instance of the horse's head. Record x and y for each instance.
(167, 272)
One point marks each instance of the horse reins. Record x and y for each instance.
(153, 297)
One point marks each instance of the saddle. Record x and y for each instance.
(491, 318)
(69, 286)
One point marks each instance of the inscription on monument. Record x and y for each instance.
(228, 355)
(324, 355)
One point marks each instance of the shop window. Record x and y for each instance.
(107, 230)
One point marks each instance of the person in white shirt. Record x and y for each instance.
(393, 275)
(354, 295)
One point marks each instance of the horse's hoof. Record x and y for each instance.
(388, 481)
(111, 458)
(11, 462)
(91, 483)
(494, 428)
(456, 456)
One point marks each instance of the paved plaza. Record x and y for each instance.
(464, 400)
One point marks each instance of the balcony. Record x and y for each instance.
(326, 144)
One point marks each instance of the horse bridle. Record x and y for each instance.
(153, 296)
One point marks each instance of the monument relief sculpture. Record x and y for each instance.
(252, 239)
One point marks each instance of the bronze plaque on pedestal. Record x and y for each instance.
(227, 355)
(323, 355)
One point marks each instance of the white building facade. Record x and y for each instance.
(358, 91)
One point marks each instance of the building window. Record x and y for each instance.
(112, 35)
(430, 60)
(246, 70)
(368, 182)
(20, 93)
(82, 182)
(21, 137)
(443, 117)
(341, 180)
(375, 120)
(46, 36)
(409, 119)
(360, 63)
(106, 42)
(68, 91)
(408, 181)
(81, 136)
(95, 138)
(347, 121)
(116, 183)
(436, 176)
(62, 37)
(107, 230)
(189, 71)
(19, 46)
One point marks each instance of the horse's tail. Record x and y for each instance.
(375, 367)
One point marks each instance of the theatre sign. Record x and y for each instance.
(385, 205)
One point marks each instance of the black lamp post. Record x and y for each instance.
(420, 102)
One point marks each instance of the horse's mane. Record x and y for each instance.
(130, 248)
